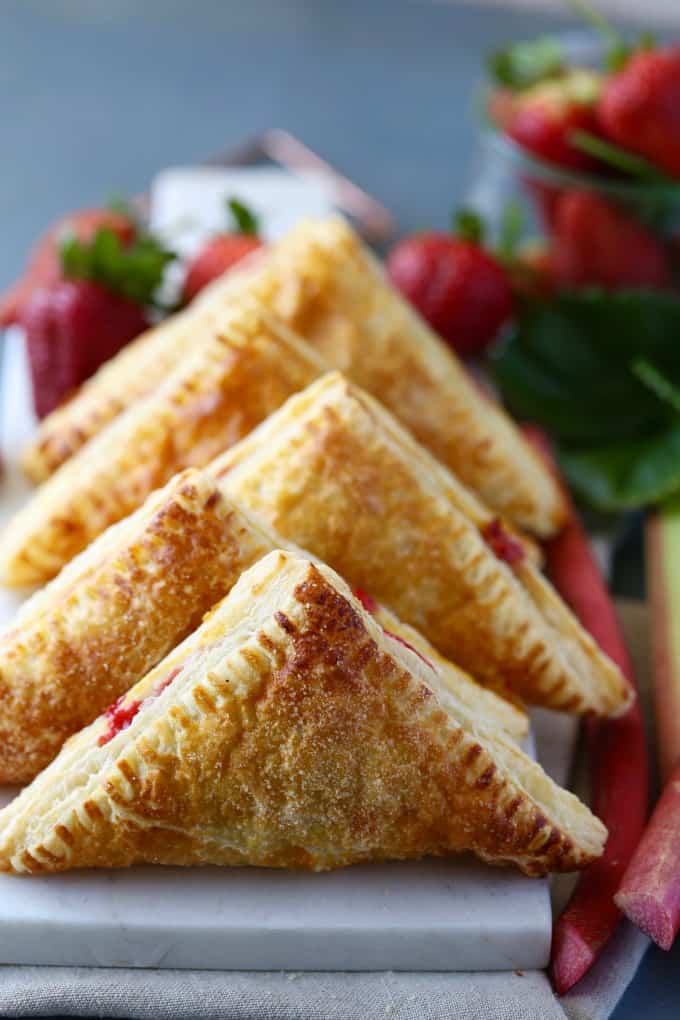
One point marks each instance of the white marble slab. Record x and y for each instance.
(429, 915)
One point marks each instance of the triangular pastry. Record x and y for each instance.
(131, 597)
(333, 471)
(134, 372)
(114, 612)
(325, 284)
(210, 400)
(290, 731)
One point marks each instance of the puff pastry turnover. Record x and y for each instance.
(114, 612)
(134, 372)
(131, 597)
(333, 471)
(324, 284)
(290, 731)
(212, 398)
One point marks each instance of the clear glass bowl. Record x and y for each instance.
(504, 173)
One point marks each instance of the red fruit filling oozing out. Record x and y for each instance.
(371, 606)
(502, 543)
(119, 716)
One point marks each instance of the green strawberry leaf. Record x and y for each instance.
(627, 475)
(601, 373)
(134, 271)
(469, 226)
(526, 63)
(616, 157)
(244, 219)
(511, 229)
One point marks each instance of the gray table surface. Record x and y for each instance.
(96, 95)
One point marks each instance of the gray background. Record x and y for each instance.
(95, 96)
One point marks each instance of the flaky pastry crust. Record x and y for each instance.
(334, 471)
(326, 286)
(138, 369)
(114, 612)
(211, 400)
(294, 734)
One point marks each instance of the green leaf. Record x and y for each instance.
(616, 157)
(244, 219)
(628, 475)
(512, 225)
(526, 63)
(134, 271)
(657, 382)
(601, 373)
(469, 225)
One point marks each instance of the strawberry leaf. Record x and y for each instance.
(512, 225)
(616, 157)
(134, 271)
(526, 63)
(469, 226)
(244, 219)
(601, 372)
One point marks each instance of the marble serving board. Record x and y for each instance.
(456, 914)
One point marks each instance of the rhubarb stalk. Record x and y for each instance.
(650, 890)
(617, 758)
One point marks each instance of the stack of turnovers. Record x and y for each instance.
(128, 600)
(290, 730)
(333, 471)
(301, 724)
(234, 363)
(241, 371)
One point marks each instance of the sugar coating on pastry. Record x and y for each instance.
(213, 397)
(114, 612)
(326, 285)
(335, 472)
(290, 731)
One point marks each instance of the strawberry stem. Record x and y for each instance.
(243, 218)
(469, 226)
(614, 156)
(512, 225)
(134, 271)
(526, 63)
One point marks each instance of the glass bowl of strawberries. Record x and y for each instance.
(579, 188)
(582, 134)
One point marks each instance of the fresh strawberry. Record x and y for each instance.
(597, 244)
(543, 119)
(218, 256)
(98, 304)
(44, 263)
(639, 108)
(223, 251)
(71, 329)
(458, 287)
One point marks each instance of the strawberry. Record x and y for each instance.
(44, 264)
(458, 287)
(223, 251)
(76, 322)
(597, 244)
(639, 108)
(71, 328)
(543, 119)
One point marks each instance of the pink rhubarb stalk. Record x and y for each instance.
(650, 890)
(617, 757)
